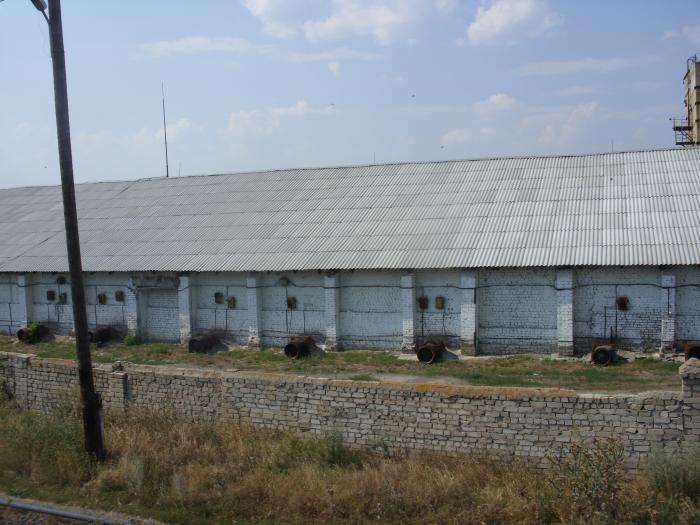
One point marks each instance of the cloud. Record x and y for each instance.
(269, 120)
(462, 135)
(495, 103)
(334, 67)
(561, 125)
(382, 20)
(504, 22)
(196, 45)
(588, 65)
(279, 18)
(333, 55)
(177, 129)
(147, 137)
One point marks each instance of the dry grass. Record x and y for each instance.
(182, 472)
(516, 371)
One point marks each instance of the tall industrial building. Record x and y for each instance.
(686, 129)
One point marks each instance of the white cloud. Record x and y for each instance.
(587, 65)
(147, 137)
(561, 125)
(198, 44)
(504, 22)
(382, 20)
(177, 129)
(495, 103)
(462, 135)
(270, 120)
(690, 33)
(279, 18)
(334, 67)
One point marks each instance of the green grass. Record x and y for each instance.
(363, 377)
(514, 371)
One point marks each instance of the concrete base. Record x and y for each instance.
(566, 350)
(334, 346)
(408, 348)
(468, 348)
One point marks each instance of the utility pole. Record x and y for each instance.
(91, 403)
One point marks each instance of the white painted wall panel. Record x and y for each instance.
(434, 322)
(370, 309)
(160, 313)
(279, 322)
(688, 303)
(596, 316)
(210, 316)
(517, 311)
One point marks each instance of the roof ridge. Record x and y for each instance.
(352, 166)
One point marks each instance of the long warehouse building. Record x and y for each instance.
(495, 256)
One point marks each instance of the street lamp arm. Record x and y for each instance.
(41, 7)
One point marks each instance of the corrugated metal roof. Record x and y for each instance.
(630, 208)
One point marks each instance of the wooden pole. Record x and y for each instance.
(90, 401)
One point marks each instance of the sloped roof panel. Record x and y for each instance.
(630, 208)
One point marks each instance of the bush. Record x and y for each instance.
(179, 471)
(337, 454)
(130, 340)
(589, 477)
(676, 473)
(43, 448)
(35, 332)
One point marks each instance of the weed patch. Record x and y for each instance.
(183, 472)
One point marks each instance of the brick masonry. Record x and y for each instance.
(528, 423)
(486, 311)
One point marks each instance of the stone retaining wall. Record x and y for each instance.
(502, 421)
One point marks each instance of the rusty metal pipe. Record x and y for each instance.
(202, 343)
(297, 349)
(430, 352)
(603, 355)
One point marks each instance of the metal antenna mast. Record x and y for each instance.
(165, 133)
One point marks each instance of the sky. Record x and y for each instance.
(273, 84)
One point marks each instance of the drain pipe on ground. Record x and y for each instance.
(40, 509)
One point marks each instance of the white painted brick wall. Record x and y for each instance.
(254, 301)
(468, 315)
(331, 283)
(9, 304)
(687, 304)
(209, 316)
(370, 309)
(277, 321)
(184, 307)
(113, 313)
(160, 314)
(57, 316)
(565, 311)
(595, 311)
(434, 322)
(517, 311)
